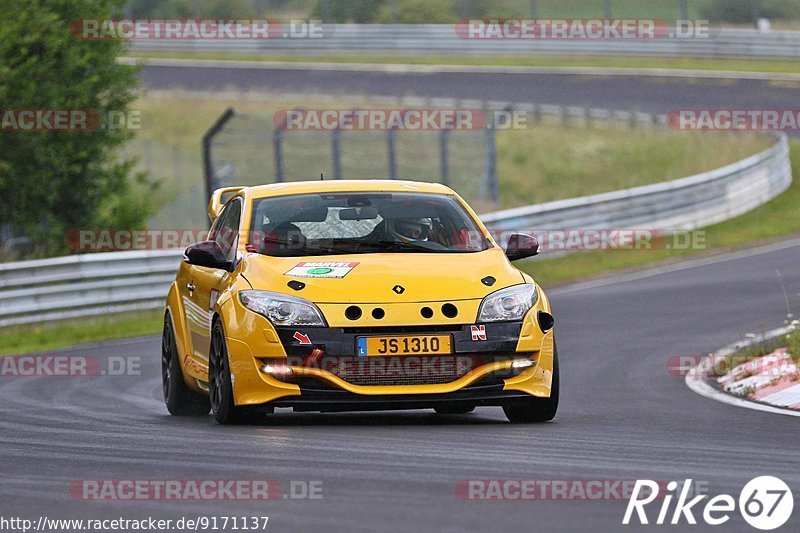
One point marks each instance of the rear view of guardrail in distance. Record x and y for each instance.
(681, 204)
(417, 39)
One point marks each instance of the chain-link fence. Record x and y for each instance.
(181, 199)
(243, 149)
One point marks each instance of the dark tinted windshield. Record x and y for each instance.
(346, 223)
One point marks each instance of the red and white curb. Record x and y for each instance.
(771, 396)
(772, 379)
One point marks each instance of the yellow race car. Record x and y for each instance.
(355, 295)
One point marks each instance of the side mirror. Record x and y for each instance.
(520, 246)
(206, 254)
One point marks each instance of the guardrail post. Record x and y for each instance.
(391, 153)
(277, 137)
(336, 153)
(534, 9)
(444, 137)
(607, 9)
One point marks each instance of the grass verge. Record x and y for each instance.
(634, 62)
(22, 339)
(777, 218)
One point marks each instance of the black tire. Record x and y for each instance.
(532, 410)
(180, 399)
(454, 409)
(220, 388)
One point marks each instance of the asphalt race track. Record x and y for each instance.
(622, 416)
(643, 93)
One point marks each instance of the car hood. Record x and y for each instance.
(385, 277)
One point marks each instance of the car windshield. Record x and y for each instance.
(356, 223)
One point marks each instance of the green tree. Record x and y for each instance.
(54, 181)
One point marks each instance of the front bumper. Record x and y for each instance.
(317, 387)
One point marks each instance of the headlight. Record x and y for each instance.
(282, 309)
(510, 303)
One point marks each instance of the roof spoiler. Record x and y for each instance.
(216, 203)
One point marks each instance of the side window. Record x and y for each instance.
(212, 234)
(227, 233)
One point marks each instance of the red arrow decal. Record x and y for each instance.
(301, 338)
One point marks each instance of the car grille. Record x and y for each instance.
(377, 371)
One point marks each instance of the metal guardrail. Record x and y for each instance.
(85, 285)
(419, 39)
(93, 284)
(682, 204)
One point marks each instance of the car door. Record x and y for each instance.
(206, 283)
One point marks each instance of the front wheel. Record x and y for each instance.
(220, 386)
(530, 410)
(180, 399)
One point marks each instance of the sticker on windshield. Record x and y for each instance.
(321, 269)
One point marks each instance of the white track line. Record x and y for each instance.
(466, 69)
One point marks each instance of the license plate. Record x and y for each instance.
(404, 345)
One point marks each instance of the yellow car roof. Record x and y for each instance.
(300, 187)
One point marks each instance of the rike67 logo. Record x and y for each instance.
(765, 503)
